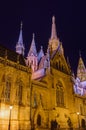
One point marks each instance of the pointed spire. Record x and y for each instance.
(81, 70)
(41, 53)
(33, 47)
(20, 40)
(20, 46)
(53, 31)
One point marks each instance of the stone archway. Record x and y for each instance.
(39, 118)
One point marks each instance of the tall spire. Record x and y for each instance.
(20, 40)
(33, 47)
(53, 30)
(20, 46)
(81, 70)
(54, 40)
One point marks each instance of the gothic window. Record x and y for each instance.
(59, 94)
(19, 93)
(7, 90)
(39, 120)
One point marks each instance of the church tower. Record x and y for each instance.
(20, 46)
(32, 59)
(54, 42)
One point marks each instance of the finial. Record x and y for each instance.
(53, 19)
(21, 24)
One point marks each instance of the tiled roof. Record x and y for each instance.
(11, 55)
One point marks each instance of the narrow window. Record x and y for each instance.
(59, 95)
(7, 91)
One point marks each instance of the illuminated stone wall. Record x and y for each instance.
(15, 91)
(44, 95)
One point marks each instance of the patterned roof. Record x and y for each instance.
(11, 55)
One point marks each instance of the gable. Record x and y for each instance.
(58, 62)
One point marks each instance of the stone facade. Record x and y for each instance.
(14, 90)
(41, 88)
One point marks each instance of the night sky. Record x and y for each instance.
(37, 18)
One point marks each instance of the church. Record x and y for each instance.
(40, 91)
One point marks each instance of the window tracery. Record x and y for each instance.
(59, 94)
(19, 92)
(6, 91)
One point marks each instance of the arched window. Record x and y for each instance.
(59, 94)
(19, 92)
(39, 120)
(7, 90)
